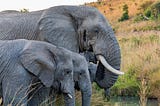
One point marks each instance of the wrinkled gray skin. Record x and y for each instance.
(92, 70)
(25, 63)
(82, 79)
(45, 62)
(77, 28)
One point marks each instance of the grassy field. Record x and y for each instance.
(140, 48)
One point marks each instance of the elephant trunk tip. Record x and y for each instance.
(107, 94)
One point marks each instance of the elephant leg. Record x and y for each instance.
(40, 97)
(15, 90)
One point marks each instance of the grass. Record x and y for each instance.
(141, 64)
(140, 58)
(140, 48)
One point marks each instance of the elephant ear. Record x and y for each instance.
(56, 27)
(40, 63)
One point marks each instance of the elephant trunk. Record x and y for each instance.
(86, 97)
(68, 100)
(92, 71)
(107, 51)
(86, 91)
(69, 95)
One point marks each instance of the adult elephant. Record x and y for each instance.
(77, 28)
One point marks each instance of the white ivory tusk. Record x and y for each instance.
(107, 66)
(69, 95)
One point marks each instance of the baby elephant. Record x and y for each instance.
(25, 64)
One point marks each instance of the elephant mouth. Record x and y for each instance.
(100, 58)
(69, 95)
(77, 86)
(65, 91)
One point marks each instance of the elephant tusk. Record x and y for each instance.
(70, 96)
(109, 67)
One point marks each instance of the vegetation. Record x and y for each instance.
(149, 11)
(125, 15)
(143, 65)
(139, 42)
(24, 10)
(139, 39)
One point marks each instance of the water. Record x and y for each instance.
(130, 101)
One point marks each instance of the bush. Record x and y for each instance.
(153, 11)
(125, 15)
(127, 84)
(147, 12)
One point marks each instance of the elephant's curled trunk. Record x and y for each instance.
(107, 51)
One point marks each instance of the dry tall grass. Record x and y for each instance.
(143, 52)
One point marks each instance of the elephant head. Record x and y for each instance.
(51, 65)
(83, 28)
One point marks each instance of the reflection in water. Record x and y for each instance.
(130, 101)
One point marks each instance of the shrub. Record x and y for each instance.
(153, 11)
(147, 12)
(125, 15)
(127, 84)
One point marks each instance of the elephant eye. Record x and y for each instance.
(82, 72)
(68, 71)
(96, 31)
